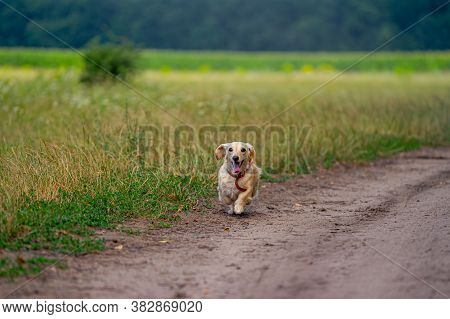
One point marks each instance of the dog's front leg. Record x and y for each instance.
(243, 199)
(220, 194)
(227, 200)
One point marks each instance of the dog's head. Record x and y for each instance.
(238, 156)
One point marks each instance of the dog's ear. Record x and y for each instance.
(251, 150)
(220, 151)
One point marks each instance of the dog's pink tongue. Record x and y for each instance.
(236, 168)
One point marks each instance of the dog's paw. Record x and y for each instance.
(239, 209)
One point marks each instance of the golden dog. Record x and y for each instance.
(238, 176)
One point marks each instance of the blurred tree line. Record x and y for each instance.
(229, 24)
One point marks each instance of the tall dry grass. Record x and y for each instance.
(59, 135)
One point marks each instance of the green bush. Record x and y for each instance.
(108, 62)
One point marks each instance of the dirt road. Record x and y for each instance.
(378, 231)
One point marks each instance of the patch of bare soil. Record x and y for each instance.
(376, 231)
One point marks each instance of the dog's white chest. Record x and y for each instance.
(230, 190)
(227, 187)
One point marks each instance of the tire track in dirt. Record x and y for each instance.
(310, 237)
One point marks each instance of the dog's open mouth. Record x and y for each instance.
(236, 167)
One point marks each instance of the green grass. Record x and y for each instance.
(48, 58)
(70, 162)
(166, 61)
(65, 224)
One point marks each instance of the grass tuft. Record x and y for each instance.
(67, 222)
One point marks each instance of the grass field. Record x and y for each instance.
(75, 158)
(167, 61)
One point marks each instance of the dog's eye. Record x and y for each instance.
(230, 150)
(243, 150)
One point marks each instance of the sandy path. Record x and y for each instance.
(376, 231)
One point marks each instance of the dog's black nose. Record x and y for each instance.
(235, 158)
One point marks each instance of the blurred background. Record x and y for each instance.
(262, 25)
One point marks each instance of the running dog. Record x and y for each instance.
(238, 176)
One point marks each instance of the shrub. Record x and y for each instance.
(108, 61)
